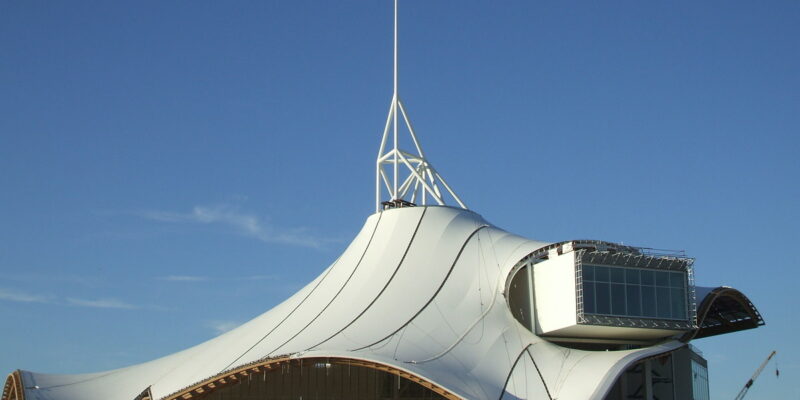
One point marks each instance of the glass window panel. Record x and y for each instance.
(648, 301)
(662, 301)
(678, 302)
(588, 272)
(603, 298)
(648, 277)
(634, 292)
(662, 278)
(634, 300)
(676, 279)
(617, 299)
(588, 298)
(600, 274)
(699, 381)
(632, 276)
(616, 275)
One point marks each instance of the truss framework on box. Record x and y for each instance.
(635, 260)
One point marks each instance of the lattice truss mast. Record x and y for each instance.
(406, 175)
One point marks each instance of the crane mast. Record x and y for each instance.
(749, 383)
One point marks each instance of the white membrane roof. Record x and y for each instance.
(419, 289)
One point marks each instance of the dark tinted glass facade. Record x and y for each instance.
(634, 292)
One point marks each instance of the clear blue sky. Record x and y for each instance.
(171, 169)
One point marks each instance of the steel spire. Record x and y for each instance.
(421, 181)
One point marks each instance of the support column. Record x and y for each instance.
(648, 379)
(531, 296)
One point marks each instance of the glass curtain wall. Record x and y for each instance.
(634, 292)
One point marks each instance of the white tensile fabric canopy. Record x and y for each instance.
(420, 289)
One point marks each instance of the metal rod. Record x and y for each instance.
(411, 129)
(378, 166)
(452, 192)
(394, 102)
(422, 181)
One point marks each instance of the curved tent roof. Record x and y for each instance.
(419, 290)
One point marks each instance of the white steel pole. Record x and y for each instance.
(377, 186)
(394, 104)
(410, 128)
(452, 193)
(378, 167)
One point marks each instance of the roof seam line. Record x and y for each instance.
(444, 281)
(377, 223)
(400, 264)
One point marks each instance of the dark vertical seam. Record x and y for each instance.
(527, 350)
(358, 264)
(439, 289)
(508, 377)
(307, 296)
(410, 242)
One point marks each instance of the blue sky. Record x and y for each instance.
(172, 169)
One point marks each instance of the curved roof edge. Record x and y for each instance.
(13, 390)
(723, 310)
(232, 377)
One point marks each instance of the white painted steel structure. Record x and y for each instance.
(422, 179)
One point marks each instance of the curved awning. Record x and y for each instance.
(723, 310)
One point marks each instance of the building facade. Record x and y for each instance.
(431, 301)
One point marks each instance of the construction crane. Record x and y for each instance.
(749, 383)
